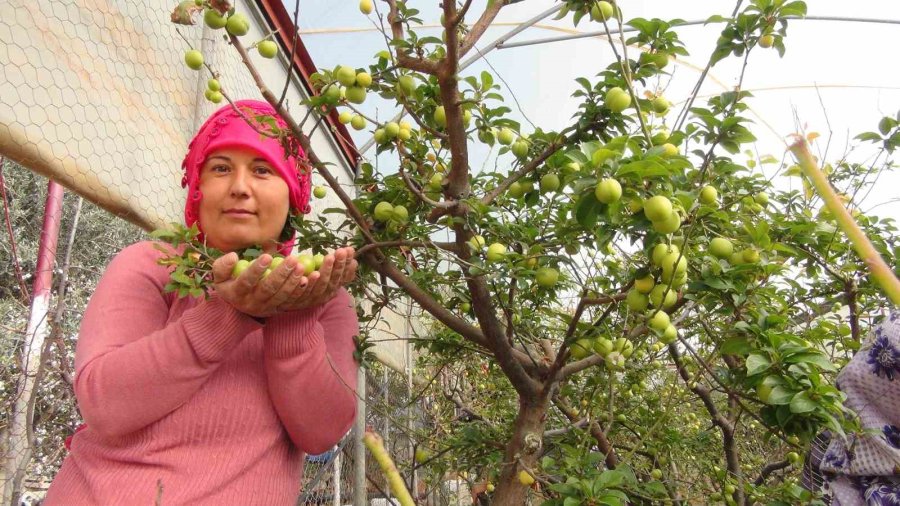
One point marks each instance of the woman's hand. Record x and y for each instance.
(252, 294)
(338, 269)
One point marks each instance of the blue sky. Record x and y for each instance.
(850, 62)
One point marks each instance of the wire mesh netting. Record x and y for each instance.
(96, 95)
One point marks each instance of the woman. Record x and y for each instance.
(863, 468)
(214, 401)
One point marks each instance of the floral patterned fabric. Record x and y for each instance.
(863, 469)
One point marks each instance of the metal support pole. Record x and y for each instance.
(336, 475)
(359, 449)
(19, 445)
(686, 23)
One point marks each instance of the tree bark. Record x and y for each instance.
(522, 450)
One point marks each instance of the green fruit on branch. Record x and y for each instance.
(363, 79)
(440, 116)
(624, 346)
(636, 300)
(400, 214)
(345, 75)
(616, 362)
(404, 134)
(660, 251)
(384, 211)
(214, 20)
(668, 226)
(506, 136)
(436, 181)
(737, 258)
(267, 49)
(366, 6)
(764, 392)
(516, 190)
(608, 191)
(669, 150)
(669, 335)
(658, 208)
(602, 10)
(520, 149)
(421, 454)
(214, 96)
(603, 346)
(549, 183)
(407, 85)
(392, 129)
(465, 307)
(237, 25)
(720, 247)
(750, 256)
(467, 118)
(356, 94)
(213, 85)
(766, 41)
(525, 478)
(547, 277)
(645, 284)
(656, 296)
(380, 136)
(660, 105)
(793, 458)
(709, 196)
(332, 94)
(345, 117)
(496, 252)
(581, 349)
(656, 474)
(617, 99)
(358, 122)
(193, 59)
(659, 320)
(477, 242)
(319, 192)
(761, 198)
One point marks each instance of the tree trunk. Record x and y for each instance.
(522, 450)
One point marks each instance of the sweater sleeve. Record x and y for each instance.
(311, 372)
(133, 366)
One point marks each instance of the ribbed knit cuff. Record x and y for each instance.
(214, 327)
(288, 335)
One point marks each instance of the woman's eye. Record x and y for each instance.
(263, 170)
(218, 168)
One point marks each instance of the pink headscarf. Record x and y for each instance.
(226, 129)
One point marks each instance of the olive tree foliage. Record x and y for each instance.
(98, 237)
(631, 311)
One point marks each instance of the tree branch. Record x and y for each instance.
(602, 441)
(528, 167)
(403, 59)
(487, 17)
(770, 468)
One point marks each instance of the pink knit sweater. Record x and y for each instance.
(194, 397)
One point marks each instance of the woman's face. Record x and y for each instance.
(245, 201)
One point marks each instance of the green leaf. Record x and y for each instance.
(587, 210)
(736, 346)
(781, 395)
(801, 403)
(812, 358)
(757, 363)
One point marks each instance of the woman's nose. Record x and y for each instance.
(240, 182)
